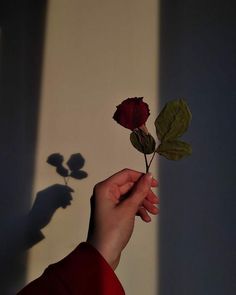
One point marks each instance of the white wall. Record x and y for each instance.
(96, 54)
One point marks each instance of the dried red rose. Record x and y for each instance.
(132, 113)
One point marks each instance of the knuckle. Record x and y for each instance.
(125, 170)
(97, 188)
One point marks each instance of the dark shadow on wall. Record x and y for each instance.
(22, 26)
(198, 194)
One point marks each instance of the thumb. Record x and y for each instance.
(140, 191)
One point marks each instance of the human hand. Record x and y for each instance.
(114, 204)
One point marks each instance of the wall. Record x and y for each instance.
(21, 43)
(197, 221)
(96, 54)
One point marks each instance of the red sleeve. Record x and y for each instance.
(83, 272)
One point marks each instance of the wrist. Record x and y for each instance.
(107, 253)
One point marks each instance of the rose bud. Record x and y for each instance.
(132, 113)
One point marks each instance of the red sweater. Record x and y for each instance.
(83, 272)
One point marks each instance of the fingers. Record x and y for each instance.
(125, 188)
(143, 214)
(147, 207)
(140, 192)
(151, 197)
(154, 183)
(124, 180)
(150, 207)
(124, 176)
(129, 187)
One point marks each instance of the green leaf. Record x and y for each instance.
(173, 120)
(174, 150)
(143, 142)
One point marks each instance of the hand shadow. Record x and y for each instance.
(20, 233)
(56, 196)
(46, 203)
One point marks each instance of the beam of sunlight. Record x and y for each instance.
(95, 56)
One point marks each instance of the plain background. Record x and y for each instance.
(64, 68)
(197, 221)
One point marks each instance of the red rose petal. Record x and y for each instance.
(132, 113)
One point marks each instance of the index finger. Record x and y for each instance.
(122, 177)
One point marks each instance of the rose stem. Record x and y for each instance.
(153, 155)
(146, 163)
